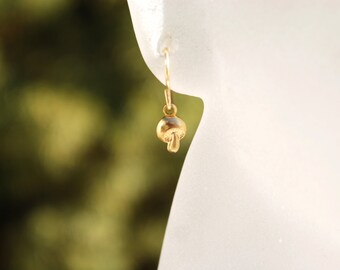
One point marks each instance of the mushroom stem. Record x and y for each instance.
(174, 143)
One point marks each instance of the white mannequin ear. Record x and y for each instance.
(260, 185)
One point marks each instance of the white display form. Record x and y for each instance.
(260, 186)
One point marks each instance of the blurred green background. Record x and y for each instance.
(85, 183)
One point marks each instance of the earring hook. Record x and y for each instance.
(167, 91)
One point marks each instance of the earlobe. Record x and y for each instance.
(148, 18)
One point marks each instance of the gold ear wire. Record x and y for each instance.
(167, 90)
(170, 129)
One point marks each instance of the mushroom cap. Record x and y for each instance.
(168, 125)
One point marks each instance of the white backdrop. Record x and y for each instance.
(260, 187)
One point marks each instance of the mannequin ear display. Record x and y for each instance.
(260, 185)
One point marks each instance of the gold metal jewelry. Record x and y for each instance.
(170, 129)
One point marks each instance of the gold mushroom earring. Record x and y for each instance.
(170, 129)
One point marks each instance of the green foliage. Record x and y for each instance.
(84, 182)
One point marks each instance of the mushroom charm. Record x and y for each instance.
(171, 129)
